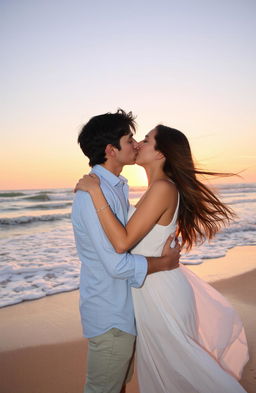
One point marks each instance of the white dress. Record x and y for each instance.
(190, 340)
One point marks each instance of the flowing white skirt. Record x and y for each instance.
(190, 340)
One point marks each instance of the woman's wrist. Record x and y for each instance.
(94, 190)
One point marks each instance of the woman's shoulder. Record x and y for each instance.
(160, 193)
(163, 185)
(161, 190)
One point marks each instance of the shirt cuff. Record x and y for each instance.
(141, 269)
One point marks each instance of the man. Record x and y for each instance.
(106, 276)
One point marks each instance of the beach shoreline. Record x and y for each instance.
(42, 349)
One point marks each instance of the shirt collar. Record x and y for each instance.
(109, 176)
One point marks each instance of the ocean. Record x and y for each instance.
(37, 250)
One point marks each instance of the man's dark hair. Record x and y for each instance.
(103, 130)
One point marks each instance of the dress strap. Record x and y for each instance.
(177, 207)
(178, 203)
(175, 216)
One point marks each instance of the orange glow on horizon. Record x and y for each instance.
(35, 177)
(29, 167)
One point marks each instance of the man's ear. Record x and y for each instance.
(110, 151)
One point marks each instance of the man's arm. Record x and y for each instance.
(169, 259)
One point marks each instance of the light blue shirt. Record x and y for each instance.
(106, 276)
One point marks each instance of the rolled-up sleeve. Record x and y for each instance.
(124, 266)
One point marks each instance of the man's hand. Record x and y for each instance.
(169, 259)
(172, 254)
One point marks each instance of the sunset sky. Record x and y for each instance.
(189, 64)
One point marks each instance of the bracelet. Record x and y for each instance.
(102, 208)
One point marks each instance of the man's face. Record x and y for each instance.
(129, 148)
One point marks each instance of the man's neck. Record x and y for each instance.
(112, 167)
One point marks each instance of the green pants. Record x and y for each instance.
(110, 363)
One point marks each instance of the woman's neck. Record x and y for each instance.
(154, 174)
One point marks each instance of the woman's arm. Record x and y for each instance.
(159, 197)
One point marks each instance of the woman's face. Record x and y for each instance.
(146, 151)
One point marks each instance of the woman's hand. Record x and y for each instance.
(88, 183)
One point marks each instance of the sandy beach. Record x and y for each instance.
(41, 345)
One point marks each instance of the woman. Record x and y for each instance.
(189, 337)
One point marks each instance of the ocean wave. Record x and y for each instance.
(62, 197)
(40, 258)
(30, 219)
(33, 293)
(49, 206)
(236, 185)
(38, 197)
(11, 194)
(51, 197)
(34, 195)
(20, 287)
(248, 227)
(237, 188)
(244, 200)
(45, 206)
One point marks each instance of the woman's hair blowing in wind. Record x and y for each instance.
(201, 213)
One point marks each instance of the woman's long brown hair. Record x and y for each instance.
(201, 213)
